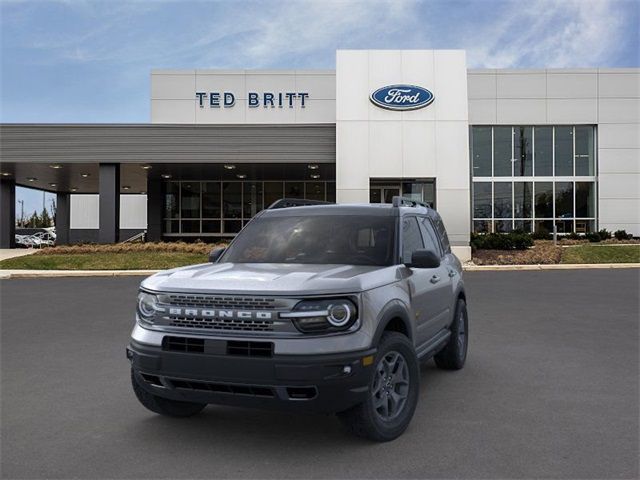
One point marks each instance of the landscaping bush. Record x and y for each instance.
(622, 235)
(516, 240)
(574, 236)
(542, 233)
(604, 234)
(593, 237)
(177, 247)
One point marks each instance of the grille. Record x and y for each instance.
(222, 324)
(217, 301)
(252, 390)
(250, 349)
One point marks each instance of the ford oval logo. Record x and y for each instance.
(402, 97)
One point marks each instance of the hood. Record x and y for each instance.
(271, 278)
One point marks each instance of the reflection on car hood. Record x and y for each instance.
(272, 278)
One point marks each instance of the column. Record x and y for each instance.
(154, 209)
(109, 190)
(63, 218)
(7, 213)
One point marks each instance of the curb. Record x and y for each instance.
(7, 274)
(553, 266)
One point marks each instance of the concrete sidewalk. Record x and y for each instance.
(6, 274)
(7, 253)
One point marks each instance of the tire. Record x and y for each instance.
(164, 406)
(367, 420)
(454, 354)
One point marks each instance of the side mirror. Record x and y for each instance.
(215, 254)
(424, 259)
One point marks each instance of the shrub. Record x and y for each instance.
(604, 234)
(542, 233)
(593, 237)
(574, 236)
(622, 235)
(516, 240)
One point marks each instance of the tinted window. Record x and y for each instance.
(429, 236)
(411, 238)
(442, 233)
(318, 239)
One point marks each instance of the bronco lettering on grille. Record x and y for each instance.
(209, 313)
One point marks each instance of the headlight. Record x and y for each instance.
(323, 315)
(147, 305)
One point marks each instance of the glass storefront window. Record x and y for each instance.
(331, 192)
(502, 151)
(252, 199)
(543, 151)
(482, 200)
(294, 190)
(482, 226)
(172, 200)
(584, 151)
(585, 200)
(217, 208)
(564, 199)
(481, 147)
(211, 200)
(522, 199)
(564, 151)
(314, 191)
(543, 195)
(523, 152)
(190, 200)
(503, 226)
(523, 225)
(502, 205)
(232, 199)
(272, 191)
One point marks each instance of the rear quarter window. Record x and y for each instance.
(442, 233)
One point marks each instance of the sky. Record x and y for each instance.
(88, 61)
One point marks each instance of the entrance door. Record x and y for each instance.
(383, 194)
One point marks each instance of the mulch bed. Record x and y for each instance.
(543, 252)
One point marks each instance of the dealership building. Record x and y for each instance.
(491, 150)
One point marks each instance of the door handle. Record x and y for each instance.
(435, 279)
(452, 273)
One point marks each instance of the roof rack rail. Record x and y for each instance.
(398, 201)
(295, 202)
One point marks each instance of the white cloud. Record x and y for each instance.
(550, 34)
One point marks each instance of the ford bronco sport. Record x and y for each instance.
(322, 308)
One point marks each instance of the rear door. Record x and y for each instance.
(423, 283)
(443, 285)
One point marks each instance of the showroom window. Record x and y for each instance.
(222, 208)
(534, 177)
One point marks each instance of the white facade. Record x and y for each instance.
(609, 99)
(432, 143)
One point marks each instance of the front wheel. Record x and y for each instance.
(164, 406)
(392, 395)
(454, 354)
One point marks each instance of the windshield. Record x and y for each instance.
(324, 239)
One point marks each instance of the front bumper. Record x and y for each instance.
(315, 383)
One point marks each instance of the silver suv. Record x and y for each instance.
(321, 308)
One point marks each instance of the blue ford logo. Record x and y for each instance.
(402, 97)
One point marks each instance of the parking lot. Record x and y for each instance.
(550, 390)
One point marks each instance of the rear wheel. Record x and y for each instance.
(393, 392)
(164, 406)
(453, 356)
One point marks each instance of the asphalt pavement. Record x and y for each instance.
(550, 390)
